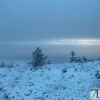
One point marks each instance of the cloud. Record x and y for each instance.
(33, 20)
(58, 42)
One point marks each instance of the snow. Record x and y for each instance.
(22, 82)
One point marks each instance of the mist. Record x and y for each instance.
(57, 27)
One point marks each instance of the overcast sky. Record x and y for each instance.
(30, 20)
(49, 21)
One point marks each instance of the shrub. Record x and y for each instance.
(97, 75)
(38, 58)
(84, 59)
(77, 59)
(64, 70)
(49, 62)
(72, 58)
(2, 65)
(10, 65)
(96, 82)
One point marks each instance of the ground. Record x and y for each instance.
(61, 81)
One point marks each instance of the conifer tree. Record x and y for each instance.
(38, 58)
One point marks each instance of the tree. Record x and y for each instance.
(38, 58)
(73, 54)
(84, 58)
(72, 58)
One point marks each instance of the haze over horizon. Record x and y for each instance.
(56, 26)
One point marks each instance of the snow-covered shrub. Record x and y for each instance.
(77, 59)
(97, 75)
(64, 70)
(96, 82)
(90, 60)
(38, 58)
(10, 65)
(6, 96)
(72, 58)
(75, 69)
(2, 65)
(60, 87)
(84, 59)
(49, 62)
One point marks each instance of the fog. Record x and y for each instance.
(28, 24)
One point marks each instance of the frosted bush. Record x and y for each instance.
(2, 65)
(38, 58)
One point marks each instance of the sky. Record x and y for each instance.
(57, 26)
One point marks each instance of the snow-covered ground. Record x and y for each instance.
(65, 81)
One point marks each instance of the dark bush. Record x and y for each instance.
(64, 70)
(38, 58)
(97, 75)
(2, 65)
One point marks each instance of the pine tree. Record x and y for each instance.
(38, 58)
(72, 58)
(84, 58)
(73, 54)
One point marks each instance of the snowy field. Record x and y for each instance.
(64, 81)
